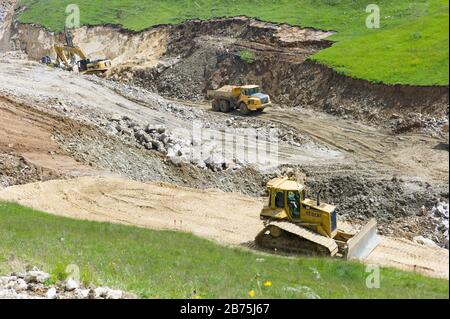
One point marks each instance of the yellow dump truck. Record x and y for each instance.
(246, 98)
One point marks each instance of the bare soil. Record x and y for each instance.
(365, 171)
(28, 151)
(227, 218)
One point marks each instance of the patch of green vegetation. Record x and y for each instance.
(416, 52)
(167, 264)
(391, 54)
(247, 56)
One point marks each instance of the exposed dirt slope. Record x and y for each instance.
(185, 60)
(6, 20)
(224, 217)
(26, 140)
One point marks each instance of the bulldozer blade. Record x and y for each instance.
(364, 242)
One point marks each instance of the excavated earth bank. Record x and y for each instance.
(183, 61)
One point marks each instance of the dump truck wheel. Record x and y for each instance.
(244, 109)
(216, 106)
(224, 106)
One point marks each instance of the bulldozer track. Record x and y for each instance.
(296, 239)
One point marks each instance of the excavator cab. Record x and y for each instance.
(298, 224)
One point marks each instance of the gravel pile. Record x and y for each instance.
(15, 170)
(440, 214)
(36, 284)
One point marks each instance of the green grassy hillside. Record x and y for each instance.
(411, 46)
(168, 264)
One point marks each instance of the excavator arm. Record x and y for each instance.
(65, 55)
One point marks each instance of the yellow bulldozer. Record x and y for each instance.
(68, 56)
(246, 98)
(299, 225)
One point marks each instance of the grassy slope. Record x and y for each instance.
(410, 48)
(170, 264)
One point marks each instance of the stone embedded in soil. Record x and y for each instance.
(36, 276)
(71, 285)
(425, 241)
(51, 293)
(29, 285)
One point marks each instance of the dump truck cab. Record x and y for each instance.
(253, 98)
(287, 201)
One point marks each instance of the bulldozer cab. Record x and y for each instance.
(285, 197)
(287, 201)
(309, 226)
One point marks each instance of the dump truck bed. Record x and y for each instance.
(225, 91)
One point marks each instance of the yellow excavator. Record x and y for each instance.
(299, 225)
(66, 58)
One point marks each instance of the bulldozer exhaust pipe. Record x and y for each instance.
(318, 197)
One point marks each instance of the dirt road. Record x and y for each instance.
(410, 154)
(226, 218)
(414, 154)
(35, 83)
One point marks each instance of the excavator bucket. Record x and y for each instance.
(364, 242)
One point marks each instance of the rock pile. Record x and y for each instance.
(440, 214)
(179, 148)
(36, 284)
(413, 121)
(16, 170)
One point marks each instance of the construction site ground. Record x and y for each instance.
(56, 134)
(78, 146)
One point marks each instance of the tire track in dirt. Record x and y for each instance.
(412, 154)
(226, 218)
